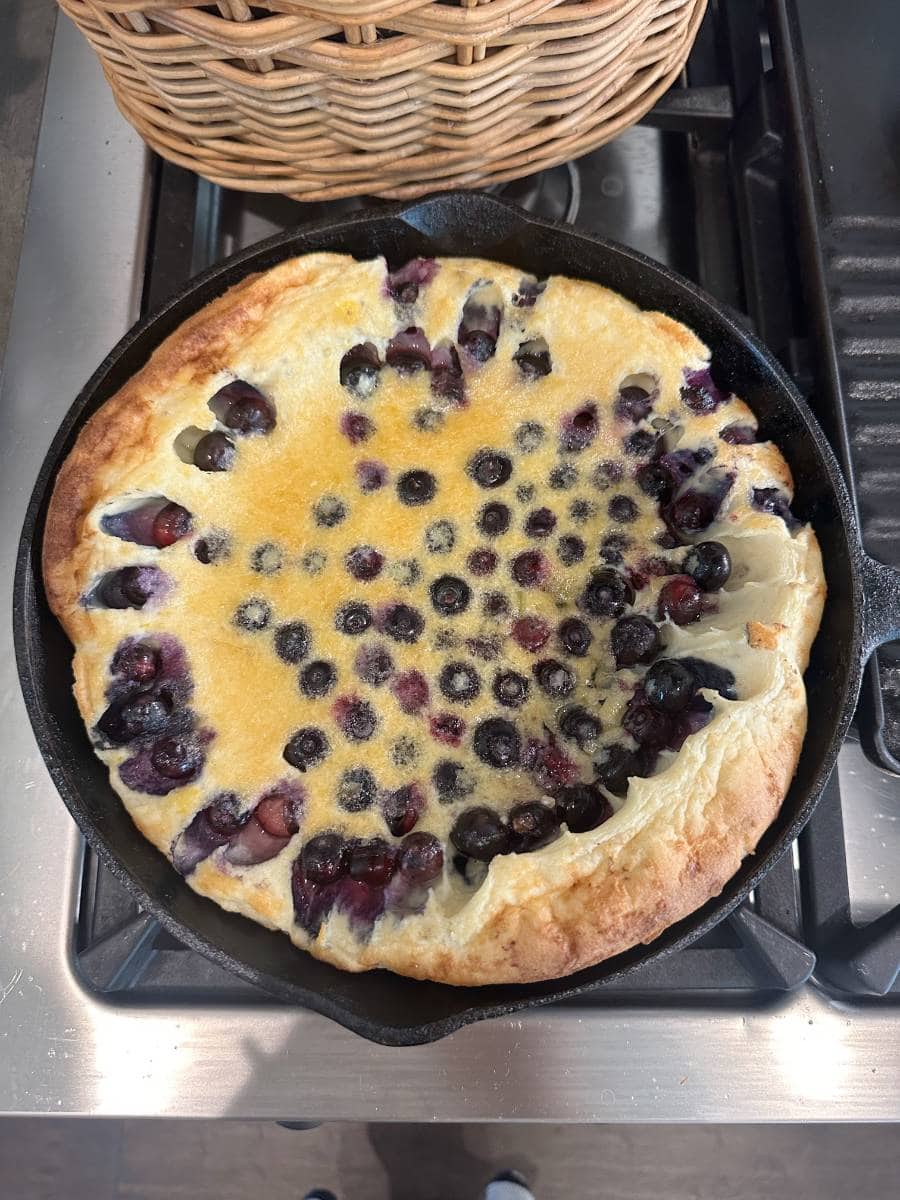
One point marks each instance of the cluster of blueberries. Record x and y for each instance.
(149, 712)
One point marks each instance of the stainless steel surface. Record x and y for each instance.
(872, 833)
(64, 1051)
(26, 38)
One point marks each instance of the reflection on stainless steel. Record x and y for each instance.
(65, 1051)
(872, 832)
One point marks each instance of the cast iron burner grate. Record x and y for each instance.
(704, 184)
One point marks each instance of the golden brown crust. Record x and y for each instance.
(585, 897)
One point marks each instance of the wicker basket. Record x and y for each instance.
(329, 98)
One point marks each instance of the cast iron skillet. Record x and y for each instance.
(863, 610)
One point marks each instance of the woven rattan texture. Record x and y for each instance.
(386, 97)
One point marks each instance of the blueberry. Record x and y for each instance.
(530, 568)
(170, 524)
(490, 468)
(494, 519)
(324, 858)
(709, 564)
(528, 291)
(374, 665)
(479, 328)
(510, 688)
(306, 748)
(540, 523)
(212, 548)
(428, 420)
(579, 429)
(370, 475)
(495, 604)
(129, 587)
(582, 807)
(440, 537)
(317, 679)
(459, 682)
(292, 642)
(529, 436)
(402, 807)
(700, 394)
(279, 811)
(532, 825)
(634, 640)
(640, 444)
(355, 718)
(214, 452)
(669, 685)
(482, 561)
(404, 752)
(651, 727)
(680, 599)
(136, 662)
(606, 473)
(633, 403)
(253, 615)
(364, 563)
(480, 833)
(410, 690)
(693, 511)
(450, 595)
(372, 862)
(582, 510)
(709, 675)
(405, 571)
(655, 480)
(574, 637)
(617, 767)
(772, 500)
(360, 370)
(531, 632)
(421, 857)
(451, 781)
(554, 677)
(613, 547)
(143, 716)
(357, 427)
(738, 434)
(416, 487)
(497, 743)
(402, 623)
(622, 509)
(525, 492)
(607, 594)
(409, 351)
(353, 618)
(177, 758)
(447, 382)
(357, 789)
(329, 511)
(533, 359)
(570, 549)
(562, 477)
(404, 283)
(267, 559)
(313, 562)
(578, 725)
(242, 407)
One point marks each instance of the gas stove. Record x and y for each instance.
(738, 178)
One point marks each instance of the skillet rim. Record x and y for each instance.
(52, 742)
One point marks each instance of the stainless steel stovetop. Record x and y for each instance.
(70, 1044)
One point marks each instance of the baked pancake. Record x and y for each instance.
(448, 620)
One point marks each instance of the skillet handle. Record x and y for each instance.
(881, 605)
(881, 623)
